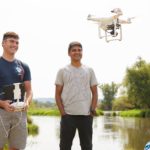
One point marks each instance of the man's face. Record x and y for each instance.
(75, 53)
(10, 45)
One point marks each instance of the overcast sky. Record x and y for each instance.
(47, 26)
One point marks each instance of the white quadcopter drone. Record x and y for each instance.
(111, 25)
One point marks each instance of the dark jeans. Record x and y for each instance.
(69, 124)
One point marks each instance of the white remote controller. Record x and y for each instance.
(17, 95)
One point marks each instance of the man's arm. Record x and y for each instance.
(124, 21)
(58, 92)
(94, 99)
(29, 93)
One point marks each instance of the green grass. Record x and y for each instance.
(136, 113)
(44, 112)
(51, 112)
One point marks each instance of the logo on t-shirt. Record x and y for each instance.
(20, 71)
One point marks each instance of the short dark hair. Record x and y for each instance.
(10, 35)
(74, 43)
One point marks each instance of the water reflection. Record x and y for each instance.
(136, 132)
(113, 133)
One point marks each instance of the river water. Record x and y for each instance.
(109, 133)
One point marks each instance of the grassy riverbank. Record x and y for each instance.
(43, 112)
(50, 112)
(141, 113)
(144, 113)
(40, 110)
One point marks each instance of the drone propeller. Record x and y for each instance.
(129, 19)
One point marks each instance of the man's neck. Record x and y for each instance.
(8, 57)
(76, 64)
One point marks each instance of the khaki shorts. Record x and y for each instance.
(13, 129)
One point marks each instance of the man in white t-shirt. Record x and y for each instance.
(76, 97)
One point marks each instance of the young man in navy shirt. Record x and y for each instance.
(13, 123)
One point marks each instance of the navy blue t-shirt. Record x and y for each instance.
(12, 72)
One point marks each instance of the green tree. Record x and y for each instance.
(109, 91)
(137, 82)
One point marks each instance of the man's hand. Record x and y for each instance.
(7, 106)
(63, 114)
(93, 112)
(26, 106)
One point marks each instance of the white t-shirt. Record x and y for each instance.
(76, 93)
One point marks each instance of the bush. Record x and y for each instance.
(99, 112)
(33, 129)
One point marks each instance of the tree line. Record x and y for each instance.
(132, 93)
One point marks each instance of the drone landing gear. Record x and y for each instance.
(112, 33)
